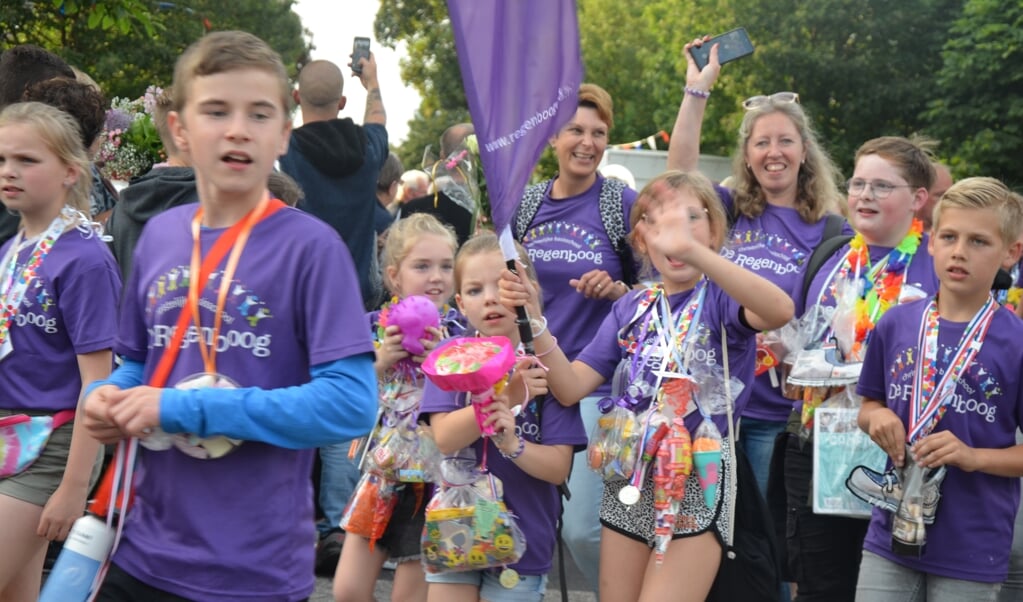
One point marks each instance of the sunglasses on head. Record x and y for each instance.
(755, 102)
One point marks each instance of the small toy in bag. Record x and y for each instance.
(473, 364)
(707, 458)
(614, 445)
(208, 448)
(468, 527)
(413, 315)
(370, 508)
(391, 448)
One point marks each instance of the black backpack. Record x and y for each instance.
(611, 216)
(751, 568)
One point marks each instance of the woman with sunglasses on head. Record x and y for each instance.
(784, 203)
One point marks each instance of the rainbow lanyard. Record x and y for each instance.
(15, 283)
(930, 400)
(672, 335)
(882, 283)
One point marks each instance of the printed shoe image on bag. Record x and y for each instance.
(884, 490)
(881, 489)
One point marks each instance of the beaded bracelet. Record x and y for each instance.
(705, 94)
(517, 452)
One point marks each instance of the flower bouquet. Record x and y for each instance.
(131, 144)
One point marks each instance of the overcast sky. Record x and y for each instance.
(334, 25)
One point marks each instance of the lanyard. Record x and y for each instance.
(930, 400)
(110, 487)
(15, 284)
(227, 241)
(209, 352)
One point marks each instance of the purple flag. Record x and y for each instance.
(521, 69)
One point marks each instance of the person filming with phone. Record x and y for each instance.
(785, 202)
(337, 163)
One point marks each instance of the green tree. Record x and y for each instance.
(51, 24)
(977, 109)
(431, 67)
(863, 69)
(140, 48)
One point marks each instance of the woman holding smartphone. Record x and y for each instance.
(785, 201)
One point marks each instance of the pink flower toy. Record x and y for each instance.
(474, 364)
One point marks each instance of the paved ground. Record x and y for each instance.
(577, 589)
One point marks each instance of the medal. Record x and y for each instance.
(629, 495)
(509, 578)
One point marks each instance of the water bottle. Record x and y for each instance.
(86, 549)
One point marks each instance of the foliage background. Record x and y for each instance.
(950, 69)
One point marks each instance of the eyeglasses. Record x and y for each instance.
(755, 102)
(879, 188)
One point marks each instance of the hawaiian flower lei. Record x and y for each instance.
(882, 283)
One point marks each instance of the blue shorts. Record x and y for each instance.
(531, 588)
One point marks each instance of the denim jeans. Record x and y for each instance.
(338, 477)
(882, 580)
(1012, 590)
(581, 517)
(757, 439)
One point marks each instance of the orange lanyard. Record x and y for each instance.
(209, 351)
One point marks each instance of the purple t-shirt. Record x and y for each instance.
(69, 309)
(535, 503)
(604, 353)
(238, 527)
(972, 530)
(776, 246)
(566, 240)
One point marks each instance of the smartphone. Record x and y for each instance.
(360, 49)
(733, 45)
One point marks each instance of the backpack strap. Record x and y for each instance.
(832, 241)
(833, 224)
(528, 208)
(612, 216)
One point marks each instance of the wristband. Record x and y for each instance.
(538, 326)
(518, 451)
(553, 347)
(704, 94)
(623, 285)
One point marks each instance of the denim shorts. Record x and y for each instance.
(531, 588)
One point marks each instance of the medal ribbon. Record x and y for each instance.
(15, 284)
(929, 400)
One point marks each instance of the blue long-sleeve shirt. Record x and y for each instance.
(338, 404)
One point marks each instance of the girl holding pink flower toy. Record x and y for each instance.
(384, 518)
(528, 456)
(661, 344)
